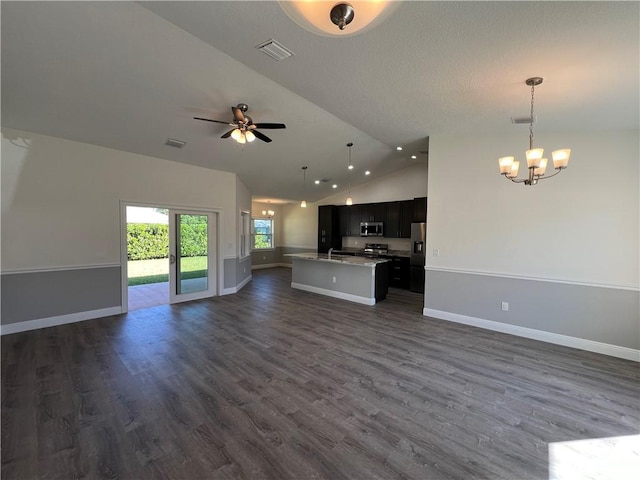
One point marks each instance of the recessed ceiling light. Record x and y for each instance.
(334, 185)
(399, 149)
(367, 172)
(350, 167)
(413, 157)
(317, 182)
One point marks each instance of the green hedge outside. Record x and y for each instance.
(146, 241)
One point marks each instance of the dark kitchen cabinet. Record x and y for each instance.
(372, 212)
(328, 229)
(399, 216)
(392, 220)
(406, 218)
(420, 209)
(354, 220)
(349, 221)
(399, 272)
(343, 220)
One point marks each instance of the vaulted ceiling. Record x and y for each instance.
(130, 75)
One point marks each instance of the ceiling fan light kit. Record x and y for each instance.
(536, 163)
(244, 130)
(338, 19)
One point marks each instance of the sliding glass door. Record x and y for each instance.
(191, 253)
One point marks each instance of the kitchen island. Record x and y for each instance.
(356, 279)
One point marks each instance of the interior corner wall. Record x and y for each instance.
(61, 219)
(563, 254)
(238, 266)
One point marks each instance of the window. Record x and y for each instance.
(262, 233)
(245, 234)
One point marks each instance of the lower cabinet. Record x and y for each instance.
(399, 272)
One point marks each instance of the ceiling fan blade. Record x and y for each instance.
(238, 116)
(261, 136)
(209, 120)
(228, 134)
(272, 126)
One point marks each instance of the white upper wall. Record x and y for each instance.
(61, 199)
(581, 226)
(405, 184)
(300, 226)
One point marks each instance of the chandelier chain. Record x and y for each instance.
(531, 120)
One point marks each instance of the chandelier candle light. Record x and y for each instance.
(303, 203)
(536, 164)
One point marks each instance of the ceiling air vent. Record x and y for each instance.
(274, 50)
(172, 142)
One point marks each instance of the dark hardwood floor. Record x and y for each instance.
(277, 383)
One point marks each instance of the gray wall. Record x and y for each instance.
(277, 256)
(606, 315)
(37, 295)
(355, 280)
(236, 271)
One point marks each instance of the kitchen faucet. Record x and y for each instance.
(329, 254)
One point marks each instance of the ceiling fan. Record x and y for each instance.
(244, 130)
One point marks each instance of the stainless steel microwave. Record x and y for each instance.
(371, 229)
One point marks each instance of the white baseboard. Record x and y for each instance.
(334, 294)
(269, 265)
(58, 320)
(555, 338)
(237, 288)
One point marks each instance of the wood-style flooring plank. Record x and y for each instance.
(277, 383)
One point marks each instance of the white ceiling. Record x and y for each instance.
(129, 75)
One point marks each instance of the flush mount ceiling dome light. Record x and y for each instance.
(535, 163)
(338, 19)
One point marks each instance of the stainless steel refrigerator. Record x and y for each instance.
(418, 239)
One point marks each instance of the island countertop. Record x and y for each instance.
(340, 259)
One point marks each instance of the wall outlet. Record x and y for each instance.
(244, 270)
(264, 257)
(505, 306)
(333, 279)
(436, 252)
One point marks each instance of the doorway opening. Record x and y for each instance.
(169, 255)
(147, 256)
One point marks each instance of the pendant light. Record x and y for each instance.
(303, 203)
(350, 167)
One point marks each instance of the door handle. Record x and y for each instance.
(172, 259)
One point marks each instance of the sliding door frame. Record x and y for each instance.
(215, 255)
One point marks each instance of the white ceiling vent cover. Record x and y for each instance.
(275, 50)
(172, 142)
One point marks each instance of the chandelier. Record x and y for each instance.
(536, 164)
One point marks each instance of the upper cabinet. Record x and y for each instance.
(372, 212)
(397, 218)
(420, 209)
(349, 220)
